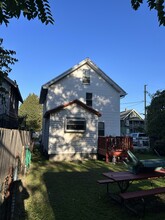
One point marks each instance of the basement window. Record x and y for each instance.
(75, 125)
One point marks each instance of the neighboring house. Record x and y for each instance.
(79, 105)
(131, 122)
(9, 102)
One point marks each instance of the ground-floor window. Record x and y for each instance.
(75, 124)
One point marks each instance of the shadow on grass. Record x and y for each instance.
(72, 192)
(76, 195)
(21, 194)
(13, 206)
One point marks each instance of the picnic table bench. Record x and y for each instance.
(123, 180)
(106, 182)
(141, 194)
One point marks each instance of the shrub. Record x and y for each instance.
(159, 146)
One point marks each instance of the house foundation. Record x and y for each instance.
(72, 156)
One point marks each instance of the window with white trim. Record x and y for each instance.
(89, 99)
(86, 77)
(75, 124)
(101, 129)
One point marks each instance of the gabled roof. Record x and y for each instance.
(45, 87)
(126, 113)
(76, 101)
(15, 87)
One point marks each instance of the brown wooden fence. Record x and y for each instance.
(117, 147)
(12, 155)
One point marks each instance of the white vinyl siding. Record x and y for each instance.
(63, 142)
(105, 98)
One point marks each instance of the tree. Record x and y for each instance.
(6, 59)
(29, 8)
(13, 8)
(31, 110)
(156, 120)
(158, 5)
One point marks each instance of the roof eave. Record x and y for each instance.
(76, 101)
(106, 78)
(15, 86)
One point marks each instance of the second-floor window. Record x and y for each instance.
(89, 99)
(101, 129)
(86, 77)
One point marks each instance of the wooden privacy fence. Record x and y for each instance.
(114, 147)
(13, 147)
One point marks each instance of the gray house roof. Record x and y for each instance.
(126, 113)
(15, 87)
(45, 87)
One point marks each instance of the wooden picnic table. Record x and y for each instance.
(123, 180)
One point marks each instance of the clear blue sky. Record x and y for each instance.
(128, 45)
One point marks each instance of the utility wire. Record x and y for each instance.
(126, 103)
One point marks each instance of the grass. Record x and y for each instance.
(69, 191)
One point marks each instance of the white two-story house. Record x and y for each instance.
(78, 106)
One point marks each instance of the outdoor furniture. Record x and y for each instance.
(141, 194)
(143, 166)
(124, 180)
(106, 182)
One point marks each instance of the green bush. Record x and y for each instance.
(159, 146)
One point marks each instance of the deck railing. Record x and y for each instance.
(114, 146)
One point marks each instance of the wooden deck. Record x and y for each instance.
(114, 147)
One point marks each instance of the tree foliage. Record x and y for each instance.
(29, 8)
(13, 8)
(31, 110)
(156, 117)
(158, 5)
(6, 59)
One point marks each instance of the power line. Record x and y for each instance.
(126, 103)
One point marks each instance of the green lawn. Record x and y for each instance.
(69, 191)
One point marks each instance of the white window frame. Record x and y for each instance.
(86, 77)
(73, 122)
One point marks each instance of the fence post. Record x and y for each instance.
(106, 155)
